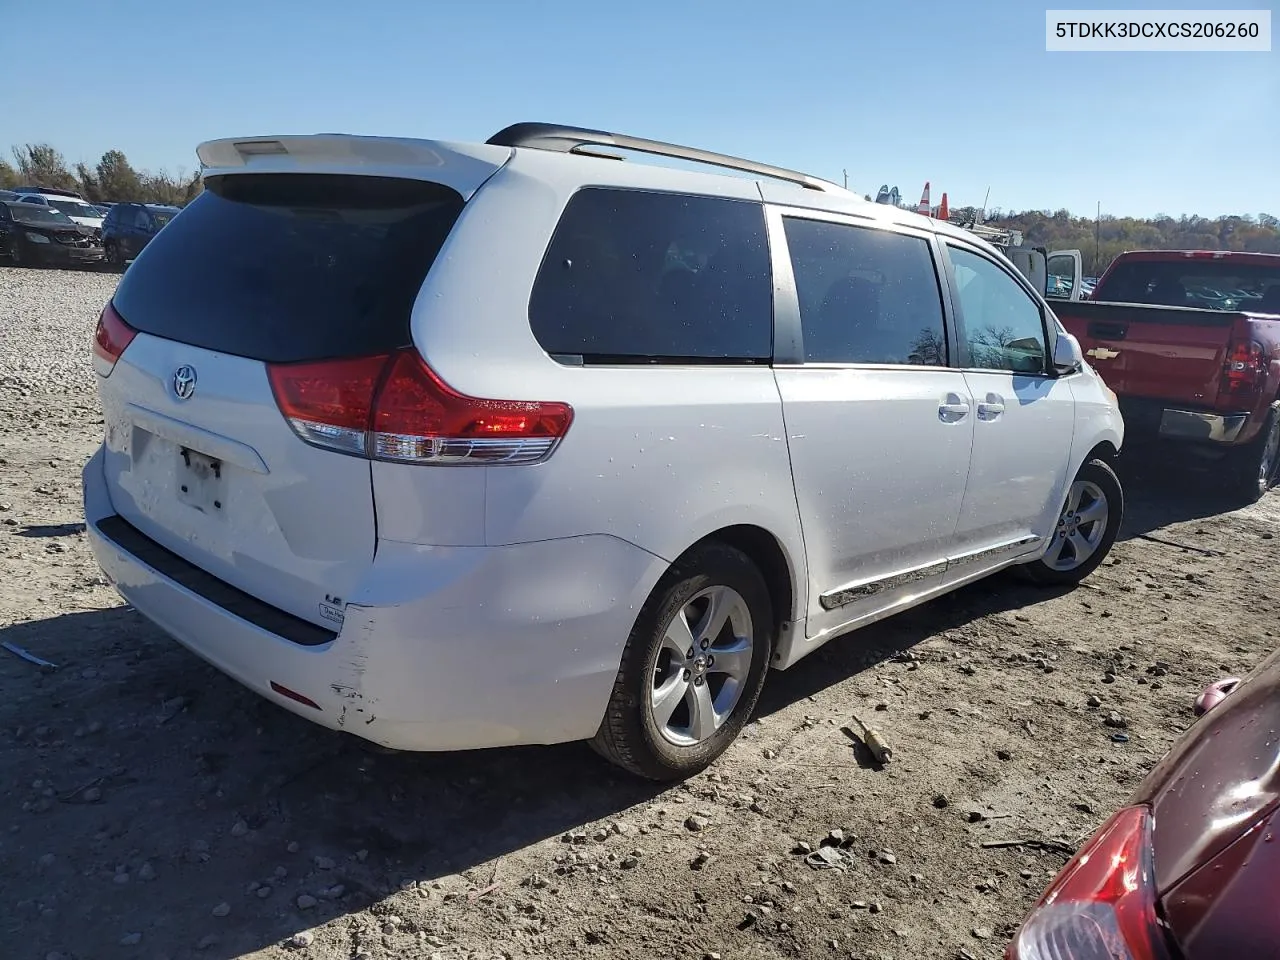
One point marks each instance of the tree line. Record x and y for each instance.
(112, 179)
(1100, 240)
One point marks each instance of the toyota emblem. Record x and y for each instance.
(184, 382)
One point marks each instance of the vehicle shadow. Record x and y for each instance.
(1163, 488)
(51, 530)
(846, 656)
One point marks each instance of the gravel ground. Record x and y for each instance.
(153, 809)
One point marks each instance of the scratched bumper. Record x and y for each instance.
(443, 648)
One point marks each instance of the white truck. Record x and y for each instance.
(1057, 274)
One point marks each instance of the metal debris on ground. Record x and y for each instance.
(826, 858)
(875, 742)
(1181, 546)
(26, 655)
(1049, 846)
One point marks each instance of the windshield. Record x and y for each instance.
(163, 216)
(1212, 284)
(74, 208)
(30, 213)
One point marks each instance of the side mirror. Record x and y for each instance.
(1068, 358)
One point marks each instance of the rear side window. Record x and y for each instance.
(632, 276)
(285, 267)
(866, 295)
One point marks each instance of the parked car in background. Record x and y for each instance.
(6, 195)
(1190, 341)
(70, 205)
(469, 445)
(32, 235)
(1189, 868)
(129, 227)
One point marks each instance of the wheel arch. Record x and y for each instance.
(1104, 450)
(771, 558)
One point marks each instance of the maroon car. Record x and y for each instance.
(1190, 869)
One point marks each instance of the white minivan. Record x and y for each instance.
(465, 445)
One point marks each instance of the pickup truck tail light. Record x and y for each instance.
(395, 407)
(1102, 906)
(1245, 369)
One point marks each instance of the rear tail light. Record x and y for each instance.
(1102, 906)
(109, 340)
(394, 407)
(1245, 369)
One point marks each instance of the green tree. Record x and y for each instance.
(117, 179)
(40, 164)
(8, 175)
(89, 187)
(194, 187)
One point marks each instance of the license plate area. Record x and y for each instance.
(200, 481)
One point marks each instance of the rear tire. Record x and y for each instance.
(1252, 468)
(1086, 528)
(115, 260)
(671, 714)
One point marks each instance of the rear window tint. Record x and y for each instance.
(633, 276)
(285, 267)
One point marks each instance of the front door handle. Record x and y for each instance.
(990, 407)
(953, 408)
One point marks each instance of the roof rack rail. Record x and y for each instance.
(562, 139)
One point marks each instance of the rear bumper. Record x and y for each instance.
(1197, 425)
(441, 648)
(1153, 419)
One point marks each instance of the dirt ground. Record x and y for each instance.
(151, 808)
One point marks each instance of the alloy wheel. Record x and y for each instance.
(702, 666)
(1081, 527)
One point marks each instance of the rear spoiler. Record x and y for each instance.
(462, 166)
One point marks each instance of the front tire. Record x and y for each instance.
(115, 259)
(693, 667)
(1086, 528)
(1253, 467)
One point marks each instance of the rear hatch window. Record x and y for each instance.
(1194, 282)
(291, 267)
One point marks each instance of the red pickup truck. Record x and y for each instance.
(1190, 343)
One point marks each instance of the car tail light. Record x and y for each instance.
(1245, 369)
(1102, 906)
(394, 407)
(110, 340)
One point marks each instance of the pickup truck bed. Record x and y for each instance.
(1205, 377)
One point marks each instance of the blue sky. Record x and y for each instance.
(961, 94)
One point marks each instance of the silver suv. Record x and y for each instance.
(465, 445)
